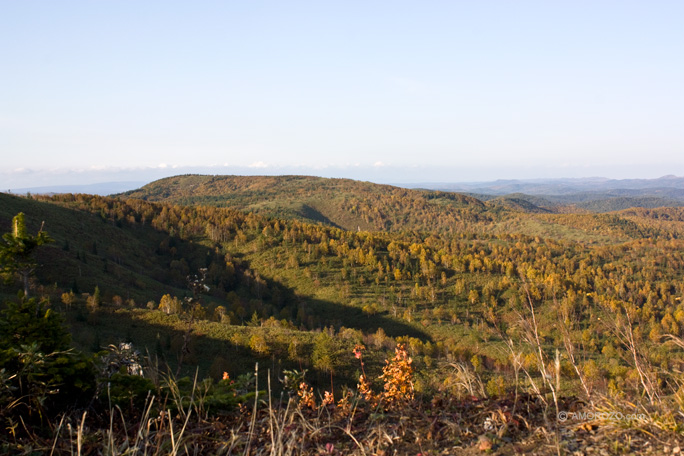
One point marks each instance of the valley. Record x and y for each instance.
(297, 271)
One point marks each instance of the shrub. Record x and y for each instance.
(127, 390)
(398, 377)
(41, 373)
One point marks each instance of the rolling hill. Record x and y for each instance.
(364, 206)
(343, 203)
(293, 294)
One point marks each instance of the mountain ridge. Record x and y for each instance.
(363, 205)
(555, 186)
(349, 204)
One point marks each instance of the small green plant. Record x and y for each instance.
(42, 373)
(206, 396)
(130, 391)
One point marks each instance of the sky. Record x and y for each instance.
(386, 91)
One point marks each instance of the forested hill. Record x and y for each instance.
(296, 295)
(343, 203)
(354, 205)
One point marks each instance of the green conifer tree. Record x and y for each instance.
(17, 251)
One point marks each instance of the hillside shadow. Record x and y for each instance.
(327, 313)
(129, 260)
(208, 355)
(313, 214)
(133, 259)
(339, 315)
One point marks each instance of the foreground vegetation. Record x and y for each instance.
(490, 327)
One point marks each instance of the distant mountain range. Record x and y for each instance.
(594, 194)
(101, 188)
(557, 186)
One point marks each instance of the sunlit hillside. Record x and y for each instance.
(547, 307)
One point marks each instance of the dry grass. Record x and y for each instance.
(283, 425)
(394, 420)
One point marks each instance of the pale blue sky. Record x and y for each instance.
(381, 90)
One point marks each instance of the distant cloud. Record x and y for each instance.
(379, 171)
(22, 171)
